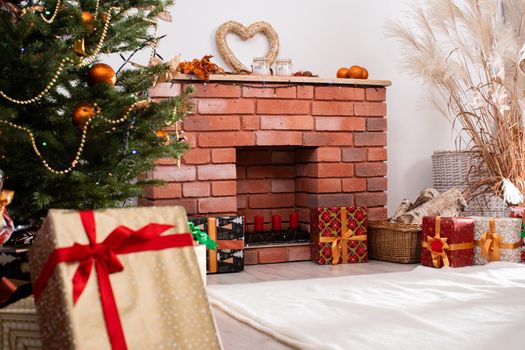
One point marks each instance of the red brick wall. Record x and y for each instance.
(265, 149)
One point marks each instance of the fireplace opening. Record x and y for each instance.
(269, 187)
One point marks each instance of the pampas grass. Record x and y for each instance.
(468, 50)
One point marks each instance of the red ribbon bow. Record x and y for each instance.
(104, 255)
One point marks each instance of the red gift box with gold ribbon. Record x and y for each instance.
(339, 235)
(447, 242)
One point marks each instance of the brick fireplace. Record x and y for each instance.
(277, 146)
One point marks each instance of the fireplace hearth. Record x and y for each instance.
(274, 148)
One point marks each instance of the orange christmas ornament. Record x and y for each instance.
(88, 18)
(82, 113)
(101, 73)
(342, 72)
(161, 133)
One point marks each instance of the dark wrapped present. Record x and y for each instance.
(228, 232)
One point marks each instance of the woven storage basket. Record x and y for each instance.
(394, 242)
(452, 169)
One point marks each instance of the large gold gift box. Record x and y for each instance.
(159, 295)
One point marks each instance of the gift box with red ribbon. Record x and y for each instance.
(339, 235)
(447, 242)
(497, 239)
(119, 279)
(518, 212)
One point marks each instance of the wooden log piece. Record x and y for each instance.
(450, 203)
(402, 209)
(425, 195)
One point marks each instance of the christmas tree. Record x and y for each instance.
(73, 132)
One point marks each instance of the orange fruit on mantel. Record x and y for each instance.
(355, 72)
(342, 72)
(364, 73)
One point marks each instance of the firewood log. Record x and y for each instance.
(402, 209)
(450, 203)
(425, 195)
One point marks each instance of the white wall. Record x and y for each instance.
(321, 36)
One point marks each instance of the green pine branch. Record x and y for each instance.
(116, 157)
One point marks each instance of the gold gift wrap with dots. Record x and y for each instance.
(160, 295)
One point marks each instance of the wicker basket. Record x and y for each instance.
(452, 169)
(394, 242)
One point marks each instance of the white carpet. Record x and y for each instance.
(480, 307)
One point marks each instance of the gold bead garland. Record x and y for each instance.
(154, 43)
(46, 89)
(96, 8)
(39, 155)
(126, 115)
(85, 128)
(178, 133)
(98, 48)
(55, 13)
(84, 62)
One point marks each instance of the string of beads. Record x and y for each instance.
(85, 128)
(84, 62)
(39, 155)
(87, 61)
(48, 87)
(55, 13)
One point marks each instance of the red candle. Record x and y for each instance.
(276, 222)
(258, 222)
(294, 220)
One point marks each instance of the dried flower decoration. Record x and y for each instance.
(470, 51)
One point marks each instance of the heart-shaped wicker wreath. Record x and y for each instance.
(245, 33)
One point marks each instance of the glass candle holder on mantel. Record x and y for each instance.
(261, 66)
(284, 67)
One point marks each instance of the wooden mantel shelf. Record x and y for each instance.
(216, 78)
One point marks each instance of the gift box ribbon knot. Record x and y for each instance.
(491, 243)
(104, 256)
(202, 237)
(340, 244)
(438, 246)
